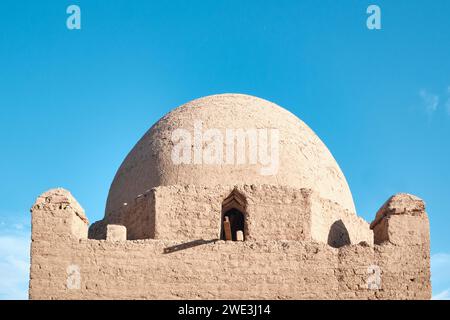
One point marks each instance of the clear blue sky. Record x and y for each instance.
(74, 102)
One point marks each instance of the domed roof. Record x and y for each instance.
(285, 151)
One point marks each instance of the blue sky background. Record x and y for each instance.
(73, 103)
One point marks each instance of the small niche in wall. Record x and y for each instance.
(233, 217)
(338, 235)
(233, 225)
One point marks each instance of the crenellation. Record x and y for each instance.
(315, 269)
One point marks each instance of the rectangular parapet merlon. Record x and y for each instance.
(56, 214)
(402, 220)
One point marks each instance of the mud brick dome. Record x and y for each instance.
(213, 227)
(304, 160)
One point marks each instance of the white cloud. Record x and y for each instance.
(18, 226)
(440, 276)
(430, 101)
(14, 266)
(447, 105)
(441, 264)
(443, 295)
(15, 233)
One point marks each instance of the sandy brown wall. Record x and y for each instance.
(67, 265)
(272, 213)
(223, 270)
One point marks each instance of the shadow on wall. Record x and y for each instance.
(338, 235)
(188, 245)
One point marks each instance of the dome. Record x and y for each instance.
(194, 145)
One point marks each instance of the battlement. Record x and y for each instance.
(68, 265)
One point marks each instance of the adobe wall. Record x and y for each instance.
(167, 269)
(402, 222)
(138, 217)
(272, 213)
(332, 224)
(139, 269)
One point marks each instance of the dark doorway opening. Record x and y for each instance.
(233, 221)
(338, 235)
